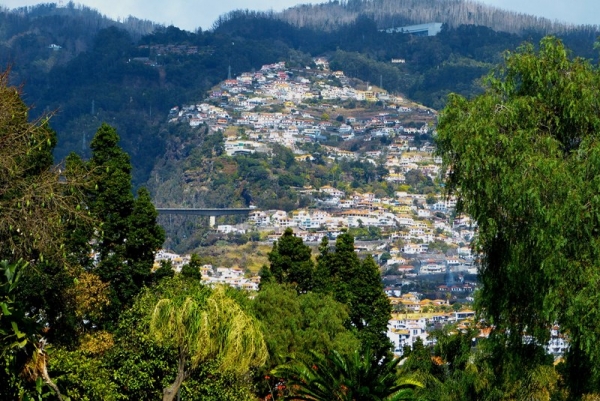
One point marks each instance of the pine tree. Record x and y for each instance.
(111, 199)
(370, 309)
(111, 202)
(290, 262)
(144, 238)
(192, 270)
(323, 277)
(358, 285)
(128, 233)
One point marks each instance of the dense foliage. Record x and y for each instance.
(523, 159)
(359, 376)
(357, 284)
(290, 262)
(129, 234)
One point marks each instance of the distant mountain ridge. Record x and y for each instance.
(393, 13)
(79, 14)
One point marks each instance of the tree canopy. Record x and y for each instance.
(128, 234)
(524, 160)
(357, 284)
(204, 325)
(37, 204)
(290, 262)
(298, 323)
(36, 200)
(359, 376)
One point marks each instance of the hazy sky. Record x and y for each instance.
(190, 14)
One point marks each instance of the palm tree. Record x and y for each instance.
(358, 377)
(204, 327)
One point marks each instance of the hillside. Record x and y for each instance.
(83, 68)
(287, 139)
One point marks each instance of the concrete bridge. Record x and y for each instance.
(213, 212)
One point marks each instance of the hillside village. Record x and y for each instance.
(417, 235)
(411, 220)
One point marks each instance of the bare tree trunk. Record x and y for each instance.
(38, 366)
(170, 392)
(49, 382)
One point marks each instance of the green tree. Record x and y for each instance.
(111, 201)
(360, 376)
(165, 270)
(84, 375)
(192, 269)
(370, 307)
(323, 278)
(265, 277)
(206, 325)
(31, 197)
(357, 284)
(297, 323)
(37, 203)
(290, 261)
(128, 363)
(524, 160)
(111, 198)
(144, 238)
(129, 234)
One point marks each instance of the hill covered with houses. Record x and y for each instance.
(320, 153)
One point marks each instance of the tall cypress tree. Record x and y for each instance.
(144, 237)
(323, 277)
(111, 202)
(111, 199)
(370, 309)
(357, 284)
(128, 235)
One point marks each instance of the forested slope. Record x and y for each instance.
(394, 13)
